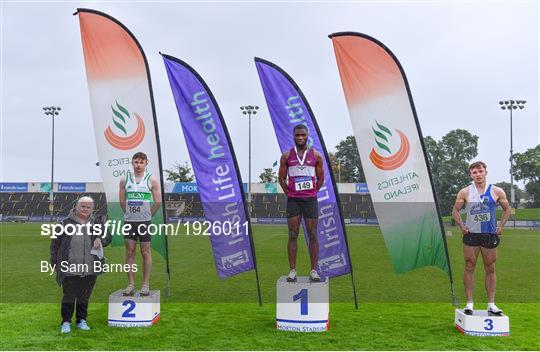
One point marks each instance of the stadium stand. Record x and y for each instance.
(21, 202)
(34, 206)
(269, 205)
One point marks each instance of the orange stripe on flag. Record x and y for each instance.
(109, 51)
(366, 70)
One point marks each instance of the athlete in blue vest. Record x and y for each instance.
(480, 231)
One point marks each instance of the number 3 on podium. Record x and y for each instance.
(303, 297)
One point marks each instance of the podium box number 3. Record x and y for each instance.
(133, 311)
(482, 324)
(302, 306)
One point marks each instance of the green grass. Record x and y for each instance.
(374, 326)
(529, 214)
(411, 311)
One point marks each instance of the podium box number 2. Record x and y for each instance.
(302, 306)
(133, 311)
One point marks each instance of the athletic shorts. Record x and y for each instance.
(138, 231)
(307, 207)
(486, 240)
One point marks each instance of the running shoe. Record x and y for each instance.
(314, 276)
(292, 276)
(493, 310)
(468, 309)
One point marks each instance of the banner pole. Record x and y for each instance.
(331, 182)
(126, 33)
(390, 81)
(255, 265)
(194, 85)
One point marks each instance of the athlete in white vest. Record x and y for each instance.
(140, 198)
(480, 231)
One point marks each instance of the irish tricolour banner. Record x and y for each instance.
(122, 108)
(289, 107)
(215, 168)
(391, 148)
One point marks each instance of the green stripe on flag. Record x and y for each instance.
(416, 243)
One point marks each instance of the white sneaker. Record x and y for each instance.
(83, 325)
(292, 276)
(314, 276)
(493, 310)
(469, 308)
(65, 328)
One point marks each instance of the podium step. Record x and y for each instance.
(482, 324)
(302, 306)
(134, 311)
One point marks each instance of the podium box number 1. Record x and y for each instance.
(133, 311)
(302, 306)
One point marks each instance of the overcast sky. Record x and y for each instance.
(460, 58)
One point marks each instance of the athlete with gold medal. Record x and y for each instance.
(301, 175)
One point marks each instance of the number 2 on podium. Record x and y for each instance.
(127, 313)
(303, 297)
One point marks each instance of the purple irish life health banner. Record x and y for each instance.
(288, 107)
(215, 168)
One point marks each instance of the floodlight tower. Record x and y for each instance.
(249, 110)
(512, 105)
(53, 111)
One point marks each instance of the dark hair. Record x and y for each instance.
(139, 155)
(477, 164)
(300, 127)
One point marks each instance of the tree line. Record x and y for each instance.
(448, 158)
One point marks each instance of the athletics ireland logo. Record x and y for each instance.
(122, 121)
(383, 137)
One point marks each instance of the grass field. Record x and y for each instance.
(411, 311)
